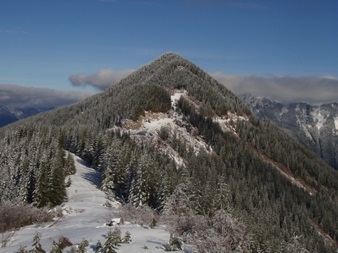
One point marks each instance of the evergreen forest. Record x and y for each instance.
(235, 176)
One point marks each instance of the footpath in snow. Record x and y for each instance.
(84, 217)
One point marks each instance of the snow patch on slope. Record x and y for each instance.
(148, 127)
(284, 110)
(319, 118)
(306, 131)
(336, 122)
(226, 122)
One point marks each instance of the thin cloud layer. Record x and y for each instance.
(286, 89)
(101, 80)
(16, 96)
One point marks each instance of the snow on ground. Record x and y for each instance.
(306, 131)
(225, 122)
(85, 216)
(176, 96)
(149, 124)
(319, 118)
(283, 111)
(336, 122)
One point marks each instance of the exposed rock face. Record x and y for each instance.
(315, 126)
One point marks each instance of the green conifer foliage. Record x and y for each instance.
(127, 237)
(36, 246)
(113, 239)
(83, 245)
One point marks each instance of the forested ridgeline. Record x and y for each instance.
(229, 176)
(258, 191)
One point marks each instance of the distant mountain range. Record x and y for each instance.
(315, 126)
(19, 102)
(8, 116)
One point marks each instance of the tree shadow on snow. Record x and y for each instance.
(94, 178)
(155, 242)
(82, 162)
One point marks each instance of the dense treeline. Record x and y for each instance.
(34, 165)
(258, 191)
(229, 175)
(300, 121)
(277, 145)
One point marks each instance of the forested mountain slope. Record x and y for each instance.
(171, 137)
(315, 126)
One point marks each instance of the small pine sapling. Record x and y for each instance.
(37, 248)
(153, 223)
(127, 237)
(22, 249)
(55, 248)
(64, 242)
(110, 246)
(116, 235)
(175, 243)
(82, 246)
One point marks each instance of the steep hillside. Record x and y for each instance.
(314, 126)
(171, 137)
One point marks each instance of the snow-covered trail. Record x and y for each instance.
(85, 216)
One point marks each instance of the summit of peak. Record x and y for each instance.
(170, 55)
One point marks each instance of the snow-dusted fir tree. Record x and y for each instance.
(140, 189)
(41, 192)
(110, 166)
(179, 209)
(112, 241)
(36, 245)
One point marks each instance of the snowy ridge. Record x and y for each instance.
(147, 129)
(85, 216)
(149, 126)
(226, 122)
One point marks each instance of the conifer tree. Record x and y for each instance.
(127, 237)
(83, 245)
(58, 186)
(31, 184)
(112, 164)
(110, 246)
(42, 188)
(139, 189)
(37, 248)
(70, 165)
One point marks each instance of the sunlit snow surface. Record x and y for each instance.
(319, 118)
(85, 216)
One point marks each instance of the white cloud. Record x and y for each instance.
(310, 89)
(16, 96)
(101, 80)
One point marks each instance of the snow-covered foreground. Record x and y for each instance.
(85, 216)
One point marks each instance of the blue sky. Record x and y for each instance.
(43, 42)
